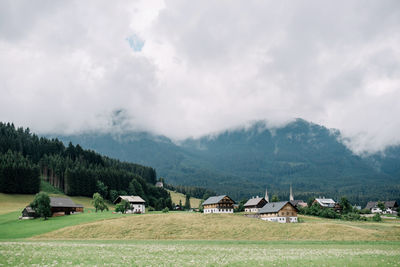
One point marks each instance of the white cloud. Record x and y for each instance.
(200, 67)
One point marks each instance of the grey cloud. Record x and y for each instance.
(206, 66)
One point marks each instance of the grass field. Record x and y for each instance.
(175, 197)
(199, 253)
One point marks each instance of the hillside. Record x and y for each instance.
(176, 197)
(26, 160)
(196, 226)
(243, 162)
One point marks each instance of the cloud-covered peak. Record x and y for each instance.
(185, 69)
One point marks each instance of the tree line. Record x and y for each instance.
(24, 157)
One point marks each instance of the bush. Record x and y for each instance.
(98, 202)
(365, 211)
(123, 206)
(41, 205)
(165, 210)
(150, 209)
(351, 216)
(377, 217)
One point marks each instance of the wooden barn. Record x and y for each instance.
(64, 206)
(218, 204)
(58, 206)
(283, 212)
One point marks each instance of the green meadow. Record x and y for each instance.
(199, 253)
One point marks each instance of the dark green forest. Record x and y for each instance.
(26, 158)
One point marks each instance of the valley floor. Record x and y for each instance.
(190, 239)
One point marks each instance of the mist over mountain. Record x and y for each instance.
(243, 162)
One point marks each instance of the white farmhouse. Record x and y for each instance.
(283, 212)
(137, 204)
(218, 204)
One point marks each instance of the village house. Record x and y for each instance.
(296, 203)
(58, 205)
(390, 207)
(136, 203)
(327, 203)
(254, 204)
(282, 212)
(218, 204)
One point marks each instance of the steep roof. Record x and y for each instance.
(273, 207)
(215, 200)
(388, 204)
(326, 202)
(253, 201)
(130, 199)
(62, 202)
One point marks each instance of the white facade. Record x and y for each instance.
(217, 210)
(376, 210)
(280, 219)
(251, 209)
(136, 208)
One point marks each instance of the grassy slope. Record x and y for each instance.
(175, 196)
(197, 226)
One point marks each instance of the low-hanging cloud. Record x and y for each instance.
(183, 69)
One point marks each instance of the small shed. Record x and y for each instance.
(28, 213)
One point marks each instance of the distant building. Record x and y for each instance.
(160, 184)
(64, 206)
(297, 203)
(137, 204)
(390, 207)
(254, 204)
(218, 204)
(327, 203)
(282, 212)
(58, 206)
(28, 213)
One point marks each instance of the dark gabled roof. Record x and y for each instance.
(130, 199)
(29, 209)
(388, 204)
(274, 207)
(295, 202)
(253, 201)
(215, 200)
(63, 202)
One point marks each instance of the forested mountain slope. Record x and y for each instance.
(243, 162)
(24, 158)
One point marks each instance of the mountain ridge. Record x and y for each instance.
(243, 161)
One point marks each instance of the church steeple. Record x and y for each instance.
(291, 198)
(266, 195)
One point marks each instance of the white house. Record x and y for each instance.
(282, 212)
(254, 204)
(218, 204)
(137, 204)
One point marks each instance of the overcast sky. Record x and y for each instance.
(188, 68)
